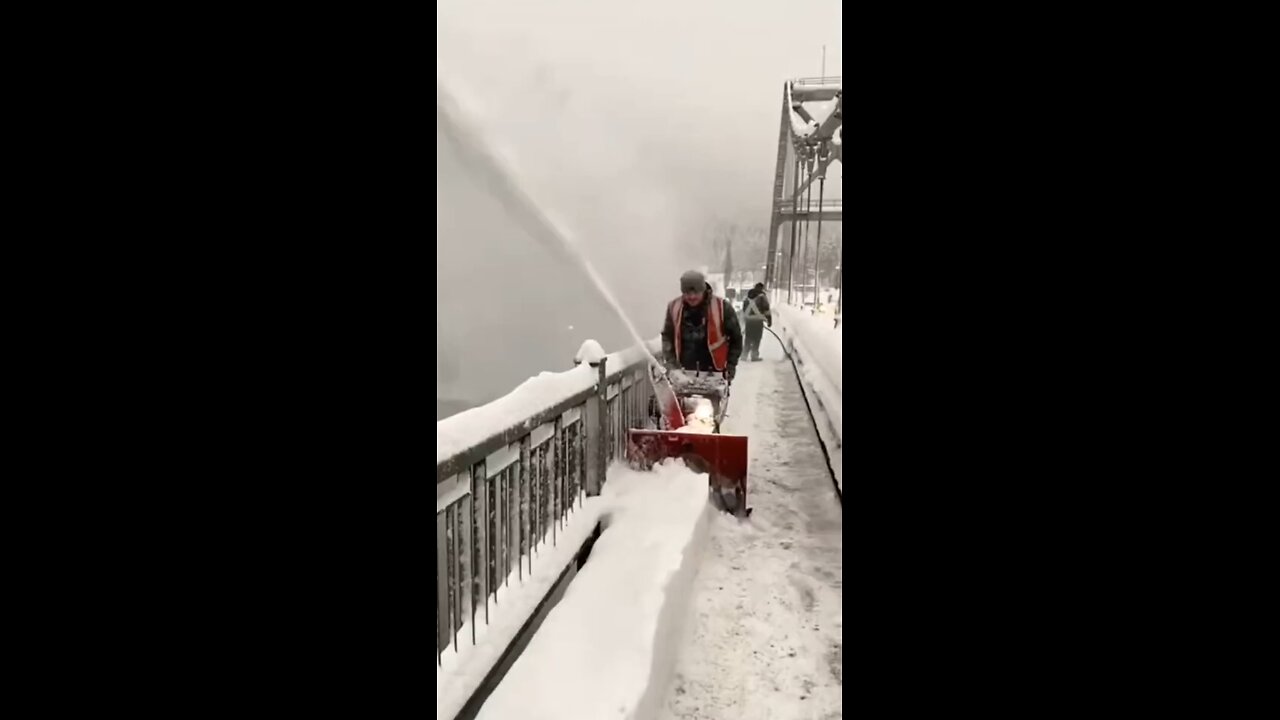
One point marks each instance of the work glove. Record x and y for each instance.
(731, 372)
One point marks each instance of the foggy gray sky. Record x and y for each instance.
(634, 125)
(691, 89)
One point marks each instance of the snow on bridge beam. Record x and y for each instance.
(815, 93)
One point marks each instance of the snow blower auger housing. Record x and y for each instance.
(685, 417)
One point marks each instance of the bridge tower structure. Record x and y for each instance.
(809, 142)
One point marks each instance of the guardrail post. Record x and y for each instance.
(596, 423)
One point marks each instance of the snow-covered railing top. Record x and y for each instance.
(469, 437)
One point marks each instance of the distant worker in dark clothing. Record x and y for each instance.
(756, 312)
(701, 331)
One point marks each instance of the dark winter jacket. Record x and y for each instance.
(761, 300)
(693, 338)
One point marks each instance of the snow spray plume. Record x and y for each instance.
(461, 132)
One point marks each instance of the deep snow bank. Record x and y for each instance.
(818, 348)
(463, 668)
(607, 650)
(820, 351)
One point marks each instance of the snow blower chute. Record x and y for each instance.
(685, 416)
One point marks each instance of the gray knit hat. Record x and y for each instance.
(693, 281)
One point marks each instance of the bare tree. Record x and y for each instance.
(750, 245)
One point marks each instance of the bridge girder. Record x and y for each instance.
(806, 150)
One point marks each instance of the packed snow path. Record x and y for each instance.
(765, 638)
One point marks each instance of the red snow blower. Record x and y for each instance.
(685, 416)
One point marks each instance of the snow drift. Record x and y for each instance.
(818, 348)
(607, 650)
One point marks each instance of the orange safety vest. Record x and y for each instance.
(717, 341)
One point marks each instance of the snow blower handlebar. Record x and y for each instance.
(699, 383)
(670, 384)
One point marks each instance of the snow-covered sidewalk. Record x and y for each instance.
(767, 633)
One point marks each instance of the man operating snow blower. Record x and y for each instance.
(701, 332)
(701, 344)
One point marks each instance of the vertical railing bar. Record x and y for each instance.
(468, 605)
(526, 489)
(545, 498)
(532, 511)
(549, 463)
(535, 498)
(499, 535)
(505, 579)
(497, 545)
(455, 603)
(512, 517)
(544, 493)
(571, 461)
(513, 522)
(562, 472)
(581, 449)
(480, 568)
(624, 417)
(442, 584)
(555, 500)
(582, 459)
(615, 417)
(551, 488)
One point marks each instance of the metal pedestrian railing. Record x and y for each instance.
(500, 500)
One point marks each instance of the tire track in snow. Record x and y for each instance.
(765, 641)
